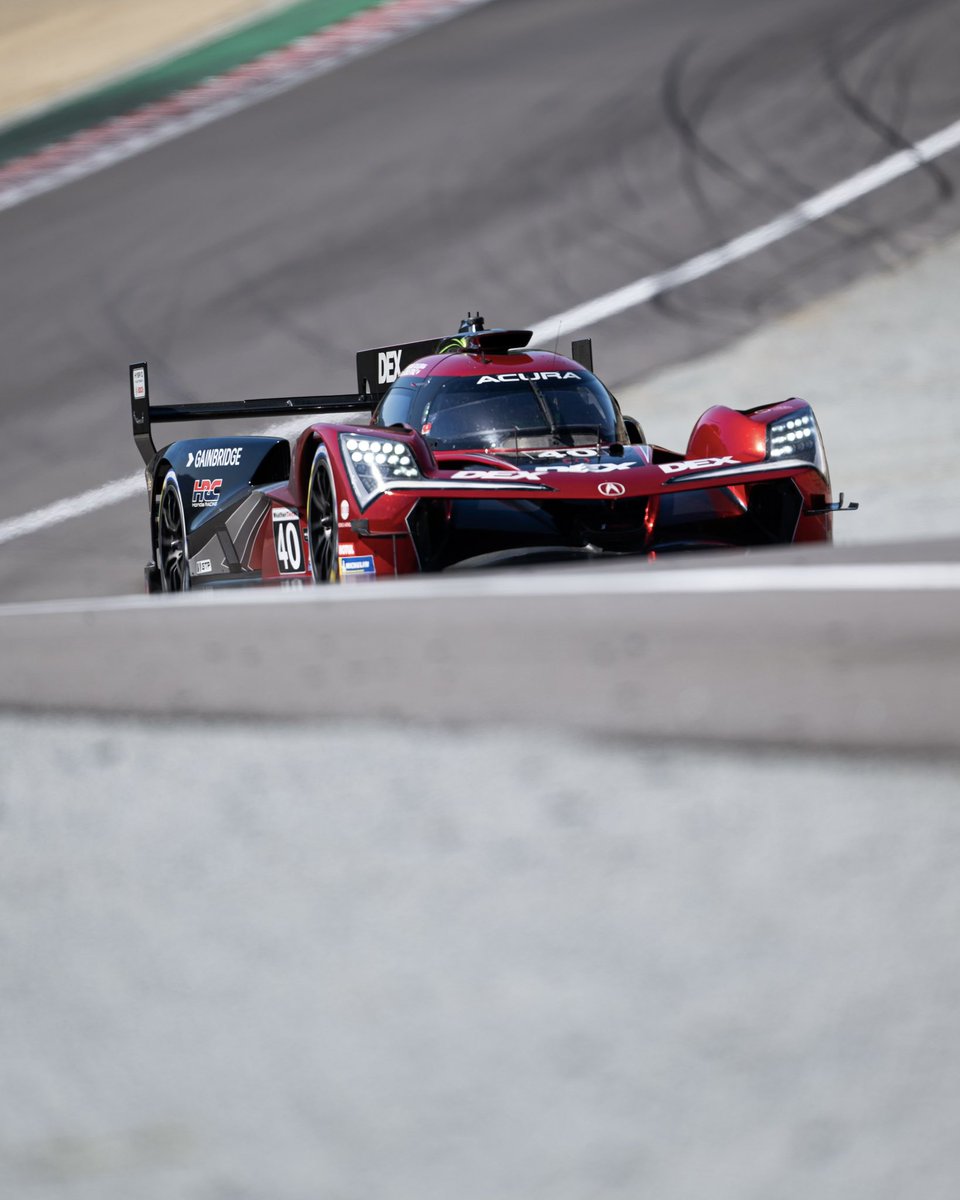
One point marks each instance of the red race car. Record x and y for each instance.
(477, 452)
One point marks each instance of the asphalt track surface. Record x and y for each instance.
(520, 159)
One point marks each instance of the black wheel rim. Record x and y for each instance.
(172, 542)
(322, 523)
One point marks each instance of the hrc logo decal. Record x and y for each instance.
(206, 493)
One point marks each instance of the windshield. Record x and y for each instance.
(554, 408)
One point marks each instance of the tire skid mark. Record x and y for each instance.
(688, 108)
(886, 67)
(889, 132)
(687, 115)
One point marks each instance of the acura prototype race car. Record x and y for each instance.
(477, 451)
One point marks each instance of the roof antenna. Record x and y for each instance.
(556, 345)
(473, 324)
(470, 326)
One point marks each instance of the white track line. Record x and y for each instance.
(75, 506)
(647, 580)
(611, 304)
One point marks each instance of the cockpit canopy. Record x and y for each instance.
(532, 408)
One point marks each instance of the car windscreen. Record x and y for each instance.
(488, 411)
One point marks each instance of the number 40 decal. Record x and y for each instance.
(288, 541)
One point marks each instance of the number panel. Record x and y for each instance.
(288, 542)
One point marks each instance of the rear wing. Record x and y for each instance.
(146, 415)
(377, 369)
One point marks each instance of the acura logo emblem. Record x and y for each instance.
(612, 488)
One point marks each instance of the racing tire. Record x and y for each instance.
(173, 558)
(322, 520)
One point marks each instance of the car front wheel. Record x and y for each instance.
(322, 520)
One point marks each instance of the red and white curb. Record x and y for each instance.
(278, 71)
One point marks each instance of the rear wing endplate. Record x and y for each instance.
(378, 368)
(581, 351)
(146, 415)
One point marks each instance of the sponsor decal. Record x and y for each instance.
(203, 566)
(497, 476)
(228, 456)
(519, 376)
(345, 550)
(388, 366)
(535, 474)
(344, 510)
(139, 383)
(415, 368)
(611, 488)
(288, 542)
(698, 464)
(206, 493)
(362, 565)
(585, 468)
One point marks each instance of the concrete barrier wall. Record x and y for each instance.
(713, 654)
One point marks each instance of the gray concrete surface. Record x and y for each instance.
(642, 652)
(520, 159)
(369, 961)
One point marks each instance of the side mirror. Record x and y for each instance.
(634, 431)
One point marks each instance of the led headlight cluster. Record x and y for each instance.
(374, 463)
(795, 436)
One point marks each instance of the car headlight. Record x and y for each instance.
(373, 463)
(796, 436)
